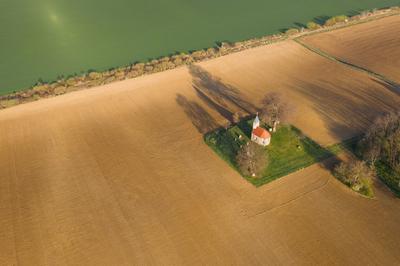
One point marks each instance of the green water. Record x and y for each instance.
(47, 38)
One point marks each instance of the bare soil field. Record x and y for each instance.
(120, 175)
(372, 45)
(332, 102)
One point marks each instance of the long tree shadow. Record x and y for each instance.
(228, 115)
(321, 19)
(300, 25)
(391, 86)
(222, 97)
(353, 12)
(199, 117)
(345, 109)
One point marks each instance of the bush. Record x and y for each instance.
(188, 59)
(366, 187)
(165, 59)
(211, 52)
(357, 175)
(95, 75)
(341, 18)
(148, 68)
(41, 88)
(313, 26)
(35, 97)
(138, 66)
(292, 31)
(330, 22)
(60, 90)
(120, 75)
(198, 55)
(337, 19)
(109, 80)
(178, 61)
(72, 82)
(8, 103)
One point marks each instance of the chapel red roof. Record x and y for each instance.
(261, 133)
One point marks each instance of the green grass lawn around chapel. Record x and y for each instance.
(288, 152)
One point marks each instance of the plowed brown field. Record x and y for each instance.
(372, 45)
(120, 175)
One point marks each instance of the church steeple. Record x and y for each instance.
(256, 122)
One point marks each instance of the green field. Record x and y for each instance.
(44, 39)
(288, 152)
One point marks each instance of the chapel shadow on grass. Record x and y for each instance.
(225, 143)
(246, 126)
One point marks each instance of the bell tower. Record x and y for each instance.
(256, 122)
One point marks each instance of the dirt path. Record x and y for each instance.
(390, 84)
(372, 45)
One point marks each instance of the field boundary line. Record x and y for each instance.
(393, 84)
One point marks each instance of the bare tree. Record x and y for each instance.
(252, 159)
(370, 150)
(275, 109)
(355, 174)
(236, 117)
(382, 141)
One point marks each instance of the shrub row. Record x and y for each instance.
(335, 20)
(93, 78)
